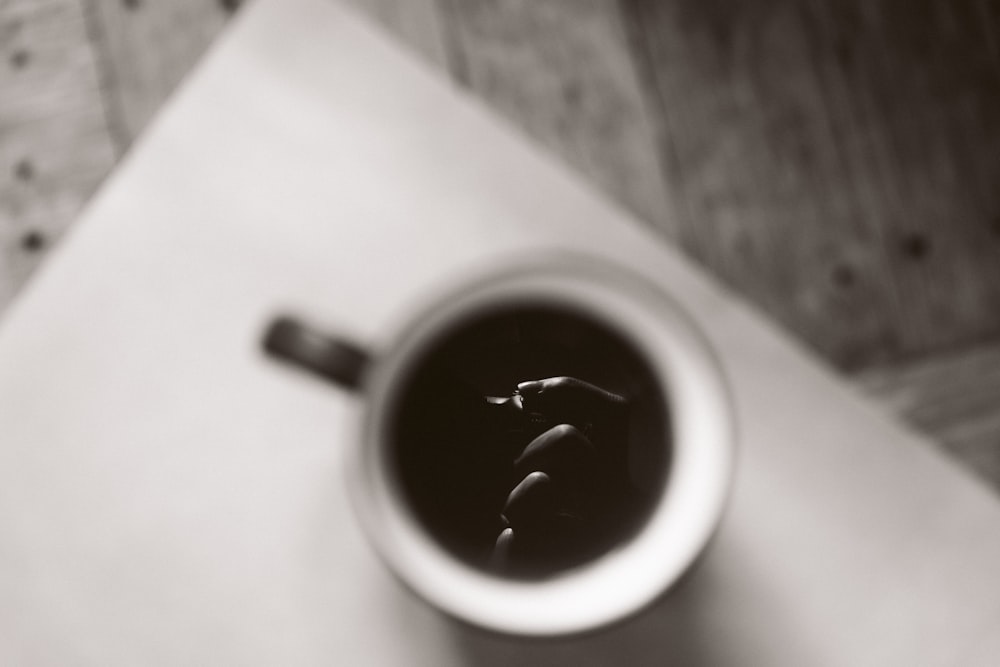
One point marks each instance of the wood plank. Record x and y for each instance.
(839, 163)
(146, 49)
(54, 145)
(561, 70)
(954, 398)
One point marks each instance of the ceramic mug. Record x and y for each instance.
(541, 319)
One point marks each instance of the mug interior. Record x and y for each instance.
(587, 449)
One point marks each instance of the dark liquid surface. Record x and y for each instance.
(562, 472)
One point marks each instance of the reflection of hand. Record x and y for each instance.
(567, 399)
(547, 509)
(564, 479)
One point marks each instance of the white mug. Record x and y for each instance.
(682, 514)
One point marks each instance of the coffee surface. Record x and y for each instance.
(530, 439)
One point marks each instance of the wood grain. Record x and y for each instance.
(54, 145)
(954, 398)
(838, 163)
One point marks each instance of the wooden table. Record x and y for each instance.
(838, 165)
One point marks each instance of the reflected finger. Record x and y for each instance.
(562, 452)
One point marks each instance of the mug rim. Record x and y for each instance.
(686, 511)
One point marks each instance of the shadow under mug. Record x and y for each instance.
(682, 515)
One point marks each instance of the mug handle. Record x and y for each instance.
(294, 342)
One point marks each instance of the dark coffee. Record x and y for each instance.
(530, 439)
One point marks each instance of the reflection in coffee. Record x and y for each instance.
(530, 439)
